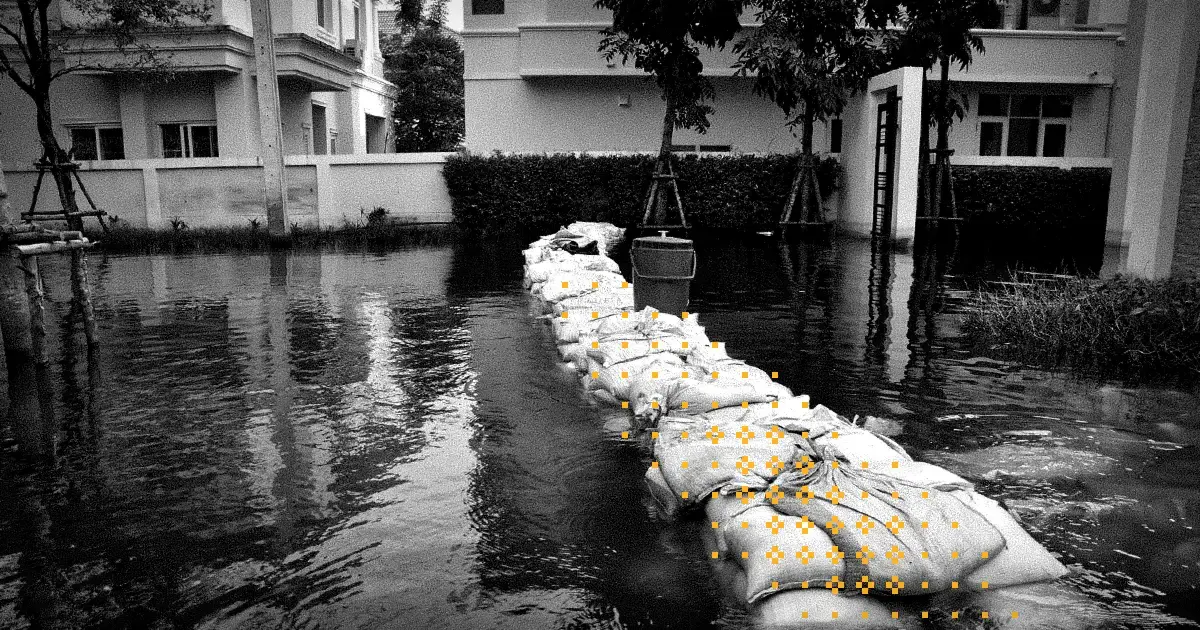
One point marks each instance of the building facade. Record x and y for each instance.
(1062, 83)
(333, 97)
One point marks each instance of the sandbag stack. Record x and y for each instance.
(813, 511)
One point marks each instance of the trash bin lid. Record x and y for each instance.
(662, 242)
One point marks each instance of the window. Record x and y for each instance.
(1081, 11)
(835, 135)
(324, 17)
(1024, 125)
(356, 24)
(487, 7)
(189, 140)
(98, 143)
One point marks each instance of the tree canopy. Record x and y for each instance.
(427, 68)
(663, 38)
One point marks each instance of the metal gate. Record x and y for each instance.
(885, 166)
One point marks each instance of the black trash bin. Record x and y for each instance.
(663, 268)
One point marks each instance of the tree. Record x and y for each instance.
(430, 112)
(935, 32)
(50, 48)
(663, 37)
(808, 56)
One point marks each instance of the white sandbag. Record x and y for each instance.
(1022, 560)
(780, 552)
(573, 353)
(562, 285)
(816, 605)
(616, 379)
(929, 538)
(703, 459)
(668, 502)
(855, 445)
(706, 393)
(602, 300)
(615, 350)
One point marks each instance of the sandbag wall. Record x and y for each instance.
(808, 512)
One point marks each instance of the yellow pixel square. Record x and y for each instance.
(624, 285)
(564, 285)
(715, 405)
(715, 524)
(774, 374)
(954, 615)
(595, 314)
(984, 615)
(624, 314)
(683, 405)
(654, 464)
(624, 374)
(624, 344)
(684, 375)
(595, 375)
(895, 615)
(654, 435)
(564, 315)
(745, 404)
(595, 344)
(924, 614)
(774, 404)
(685, 345)
(716, 344)
(715, 374)
(895, 464)
(684, 494)
(954, 585)
(654, 344)
(654, 375)
(745, 375)
(654, 404)
(684, 315)
(624, 404)
(654, 315)
(983, 555)
(624, 435)
(714, 554)
(595, 285)
(983, 584)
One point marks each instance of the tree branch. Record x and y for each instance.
(17, 38)
(12, 74)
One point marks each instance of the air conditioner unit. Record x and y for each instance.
(350, 46)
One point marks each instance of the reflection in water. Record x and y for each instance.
(386, 440)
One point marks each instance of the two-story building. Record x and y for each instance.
(333, 97)
(1067, 83)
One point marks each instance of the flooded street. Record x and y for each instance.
(362, 440)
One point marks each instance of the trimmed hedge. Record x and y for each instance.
(534, 194)
(1029, 215)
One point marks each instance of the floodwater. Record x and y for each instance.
(385, 440)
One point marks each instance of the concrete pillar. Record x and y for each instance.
(135, 123)
(270, 132)
(234, 98)
(908, 155)
(1166, 38)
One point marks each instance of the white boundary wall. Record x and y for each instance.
(323, 191)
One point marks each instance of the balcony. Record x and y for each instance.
(314, 64)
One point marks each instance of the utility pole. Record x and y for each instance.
(270, 131)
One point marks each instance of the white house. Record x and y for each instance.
(1065, 83)
(189, 147)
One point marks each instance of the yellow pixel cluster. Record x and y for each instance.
(808, 512)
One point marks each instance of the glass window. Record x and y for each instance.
(487, 7)
(1023, 136)
(204, 140)
(835, 135)
(323, 13)
(993, 104)
(189, 140)
(356, 25)
(991, 138)
(1057, 107)
(112, 144)
(1026, 105)
(83, 141)
(1054, 140)
(1081, 11)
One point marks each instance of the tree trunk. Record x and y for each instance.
(806, 146)
(943, 137)
(54, 154)
(664, 161)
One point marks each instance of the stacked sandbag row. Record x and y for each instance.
(806, 508)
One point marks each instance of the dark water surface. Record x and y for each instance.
(386, 441)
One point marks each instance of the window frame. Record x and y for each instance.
(1042, 121)
(475, 11)
(186, 140)
(96, 128)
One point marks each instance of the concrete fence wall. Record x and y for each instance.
(323, 191)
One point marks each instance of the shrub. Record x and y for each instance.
(1121, 327)
(532, 194)
(1043, 203)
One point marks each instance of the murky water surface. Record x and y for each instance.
(386, 440)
